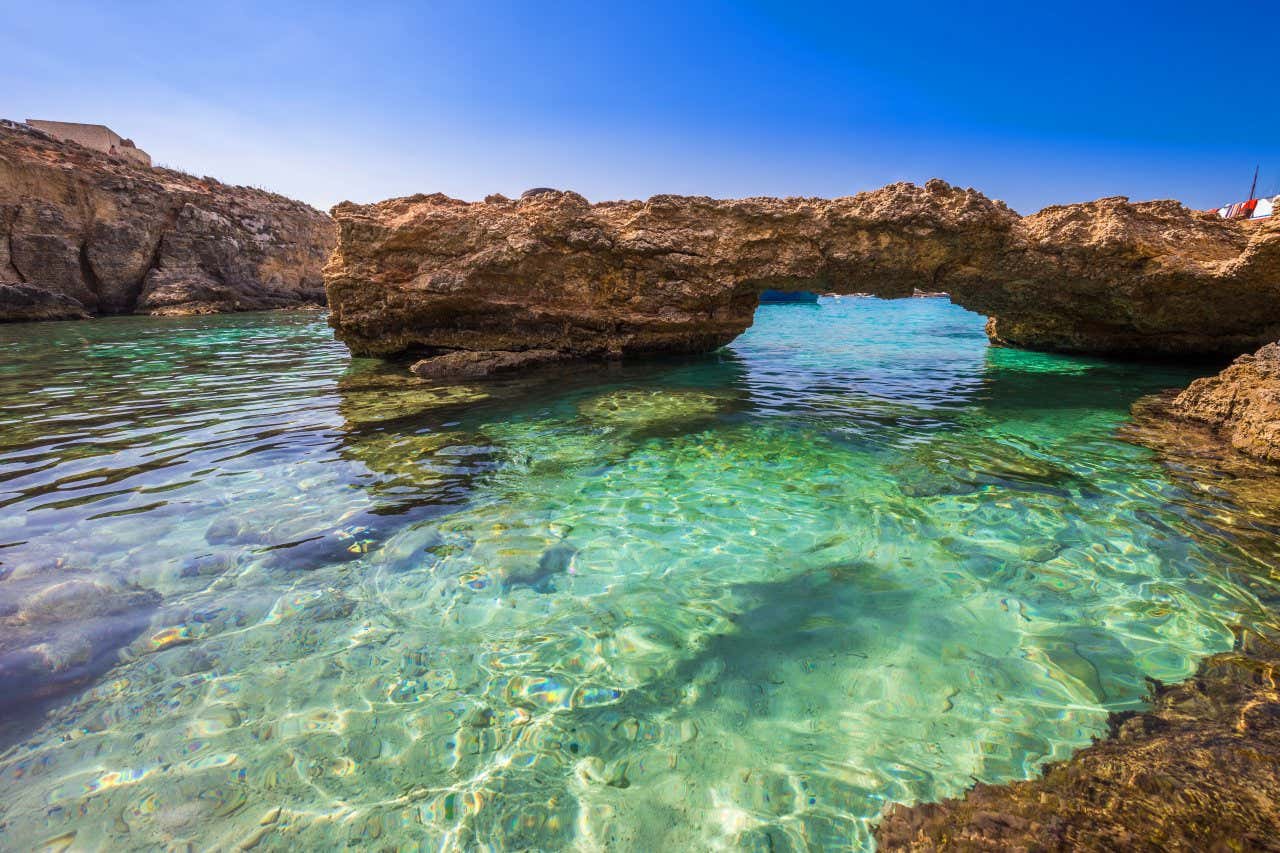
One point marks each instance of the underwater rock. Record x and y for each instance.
(1197, 772)
(207, 565)
(679, 274)
(473, 365)
(232, 531)
(594, 771)
(556, 560)
(117, 237)
(359, 535)
(58, 633)
(1242, 403)
(645, 409)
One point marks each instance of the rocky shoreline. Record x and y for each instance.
(83, 233)
(506, 285)
(1196, 772)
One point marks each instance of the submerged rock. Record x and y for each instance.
(641, 408)
(1242, 403)
(58, 633)
(683, 274)
(113, 236)
(472, 365)
(556, 560)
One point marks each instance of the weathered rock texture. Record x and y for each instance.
(117, 237)
(1242, 403)
(1197, 772)
(431, 274)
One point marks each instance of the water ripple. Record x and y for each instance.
(255, 592)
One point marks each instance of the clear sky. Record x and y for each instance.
(1033, 103)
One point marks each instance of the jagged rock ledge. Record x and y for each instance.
(1242, 403)
(82, 232)
(430, 275)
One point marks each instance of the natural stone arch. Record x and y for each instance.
(554, 274)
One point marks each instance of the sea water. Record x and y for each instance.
(253, 591)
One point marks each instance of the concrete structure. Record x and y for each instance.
(99, 137)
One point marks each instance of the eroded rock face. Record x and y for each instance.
(1242, 403)
(431, 274)
(117, 237)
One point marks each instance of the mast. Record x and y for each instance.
(1254, 186)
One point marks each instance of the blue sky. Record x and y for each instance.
(1033, 103)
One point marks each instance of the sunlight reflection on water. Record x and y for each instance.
(740, 600)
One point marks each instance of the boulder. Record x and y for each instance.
(23, 302)
(1242, 403)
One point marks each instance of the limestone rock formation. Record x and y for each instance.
(117, 237)
(1242, 403)
(430, 275)
(57, 632)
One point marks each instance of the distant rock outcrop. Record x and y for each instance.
(432, 275)
(116, 237)
(1242, 403)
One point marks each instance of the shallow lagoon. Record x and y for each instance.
(738, 601)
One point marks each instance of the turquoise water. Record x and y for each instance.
(254, 591)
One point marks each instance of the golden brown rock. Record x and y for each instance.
(1242, 403)
(431, 274)
(118, 237)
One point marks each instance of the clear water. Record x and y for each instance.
(254, 591)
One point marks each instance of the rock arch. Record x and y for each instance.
(555, 274)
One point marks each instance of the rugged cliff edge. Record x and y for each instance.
(85, 233)
(550, 272)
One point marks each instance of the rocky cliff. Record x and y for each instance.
(82, 232)
(553, 273)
